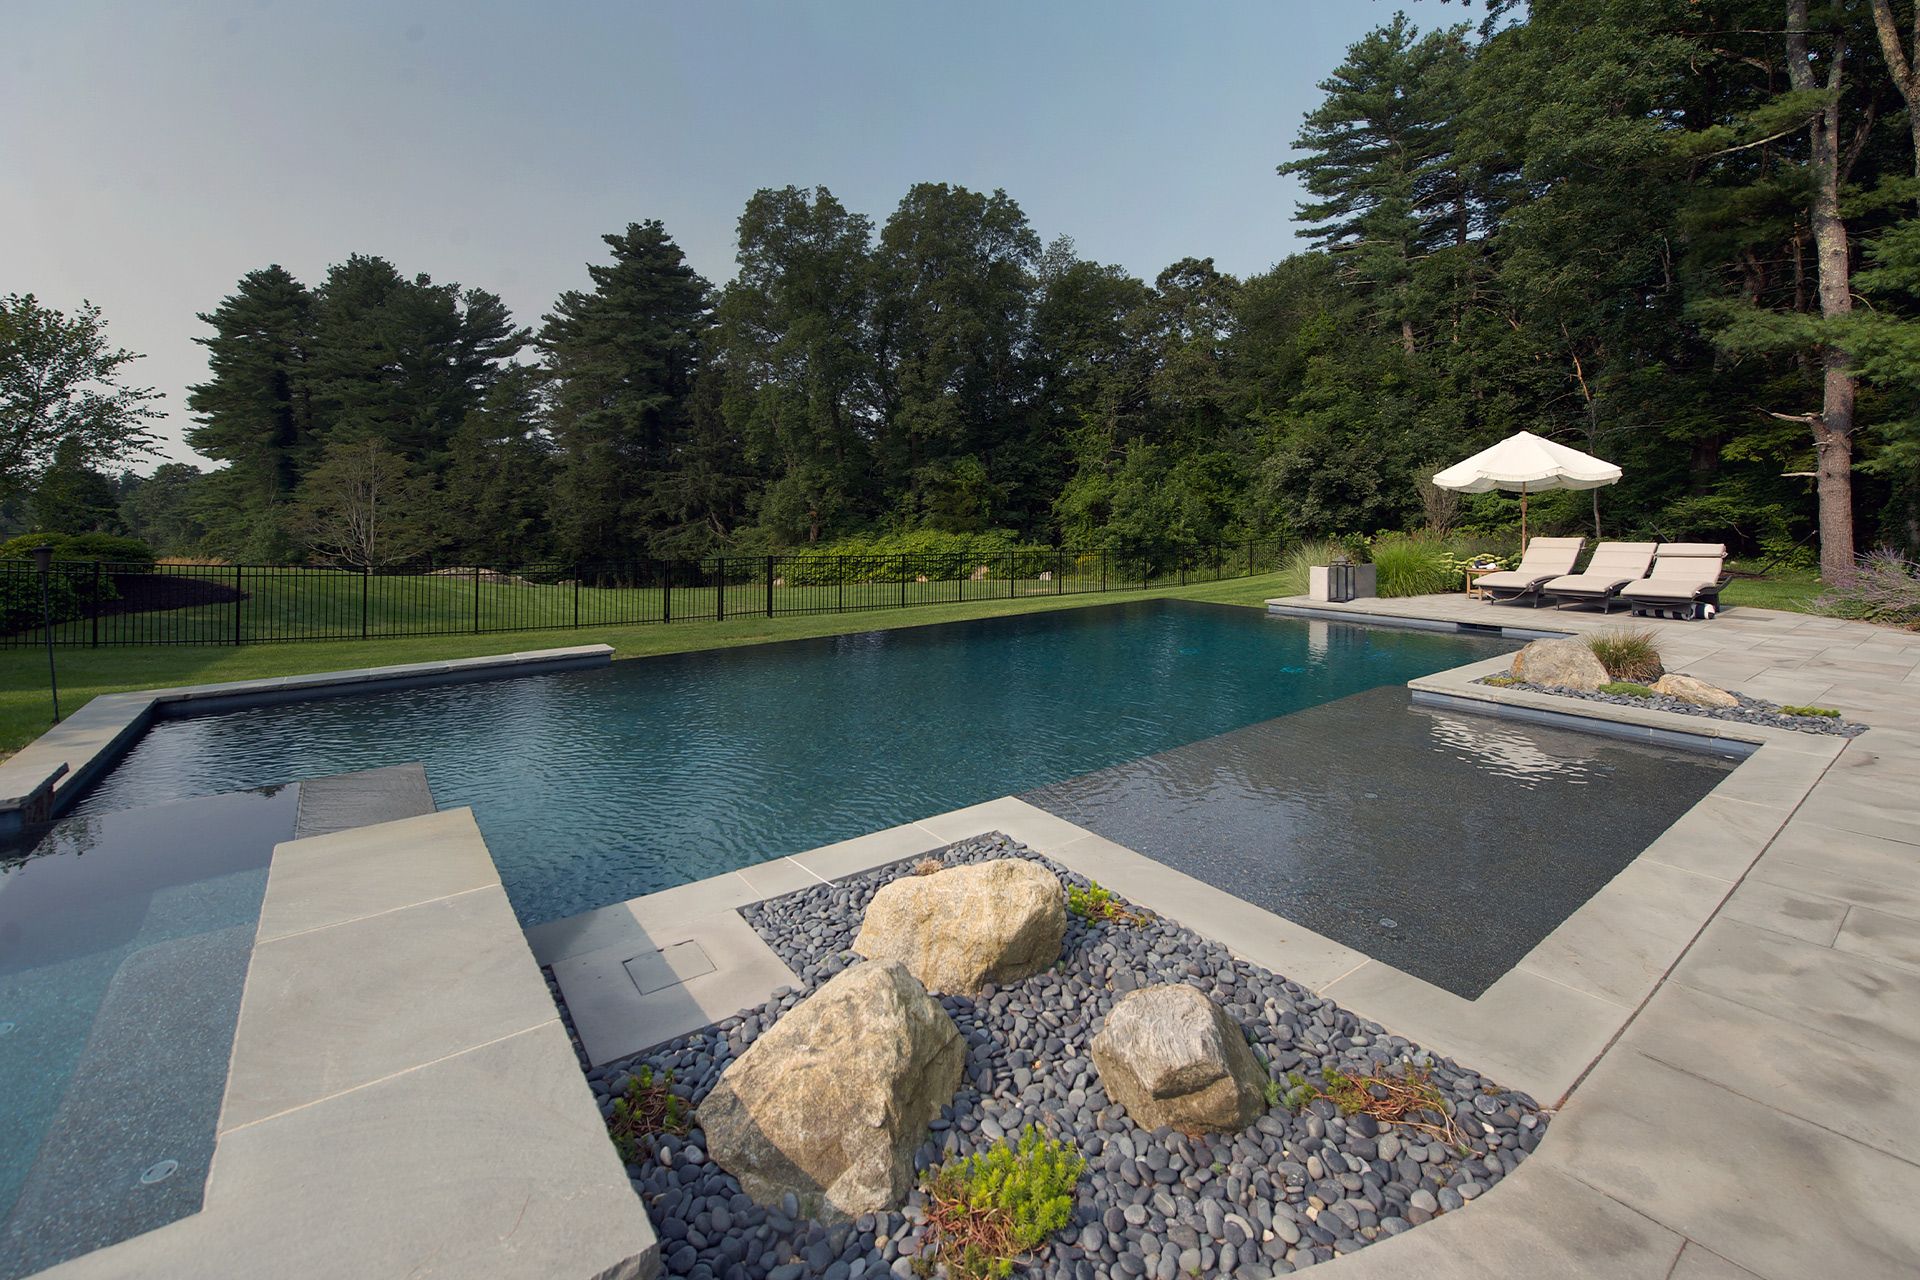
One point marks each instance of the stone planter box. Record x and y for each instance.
(1366, 579)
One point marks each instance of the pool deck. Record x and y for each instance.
(1726, 1025)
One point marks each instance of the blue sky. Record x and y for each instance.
(153, 153)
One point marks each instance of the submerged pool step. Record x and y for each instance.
(363, 799)
(136, 1100)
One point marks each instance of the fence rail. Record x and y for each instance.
(99, 603)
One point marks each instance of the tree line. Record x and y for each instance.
(1682, 236)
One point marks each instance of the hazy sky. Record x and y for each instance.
(151, 153)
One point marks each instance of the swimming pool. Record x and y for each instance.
(124, 943)
(593, 787)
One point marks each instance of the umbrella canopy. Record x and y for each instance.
(1528, 463)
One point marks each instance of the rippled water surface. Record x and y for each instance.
(597, 786)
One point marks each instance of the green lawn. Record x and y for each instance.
(84, 673)
(1794, 589)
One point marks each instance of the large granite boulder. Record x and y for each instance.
(1173, 1057)
(1564, 664)
(831, 1101)
(1698, 692)
(960, 928)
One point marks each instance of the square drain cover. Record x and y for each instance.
(668, 967)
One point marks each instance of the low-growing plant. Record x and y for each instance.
(1628, 655)
(1097, 902)
(1409, 1099)
(927, 866)
(1626, 689)
(1502, 682)
(1793, 710)
(649, 1106)
(989, 1209)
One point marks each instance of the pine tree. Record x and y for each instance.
(622, 361)
(255, 410)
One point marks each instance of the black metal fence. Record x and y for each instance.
(97, 603)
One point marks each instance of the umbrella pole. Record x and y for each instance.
(1523, 519)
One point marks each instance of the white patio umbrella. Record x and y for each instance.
(1528, 463)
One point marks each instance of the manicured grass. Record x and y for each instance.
(1793, 589)
(85, 673)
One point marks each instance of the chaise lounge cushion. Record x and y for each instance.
(1681, 572)
(1544, 558)
(1614, 565)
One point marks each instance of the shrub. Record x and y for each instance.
(1413, 566)
(1628, 655)
(992, 1207)
(1886, 588)
(928, 551)
(649, 1106)
(83, 546)
(1827, 712)
(1626, 689)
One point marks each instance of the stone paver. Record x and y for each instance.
(1760, 1103)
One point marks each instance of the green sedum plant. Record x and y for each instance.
(1626, 688)
(649, 1106)
(1097, 902)
(990, 1208)
(1827, 712)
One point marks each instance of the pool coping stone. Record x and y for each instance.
(96, 735)
(403, 1097)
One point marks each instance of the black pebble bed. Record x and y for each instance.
(1750, 710)
(1293, 1190)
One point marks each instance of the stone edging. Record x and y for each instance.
(96, 735)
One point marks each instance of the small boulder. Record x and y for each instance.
(1697, 692)
(960, 928)
(1171, 1056)
(1563, 664)
(831, 1101)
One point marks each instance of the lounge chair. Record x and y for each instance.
(1544, 560)
(1614, 567)
(1685, 576)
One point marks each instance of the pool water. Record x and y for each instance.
(1443, 843)
(124, 942)
(593, 787)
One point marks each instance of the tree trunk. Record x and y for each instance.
(1833, 426)
(1904, 69)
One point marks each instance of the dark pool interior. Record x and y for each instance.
(1445, 844)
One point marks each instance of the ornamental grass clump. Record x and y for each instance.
(1628, 655)
(989, 1209)
(649, 1106)
(1409, 565)
(1827, 713)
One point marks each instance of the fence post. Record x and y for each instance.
(236, 604)
(666, 591)
(903, 579)
(1057, 580)
(476, 599)
(1103, 571)
(1012, 569)
(366, 581)
(720, 589)
(576, 597)
(1249, 559)
(99, 583)
(769, 586)
(840, 599)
